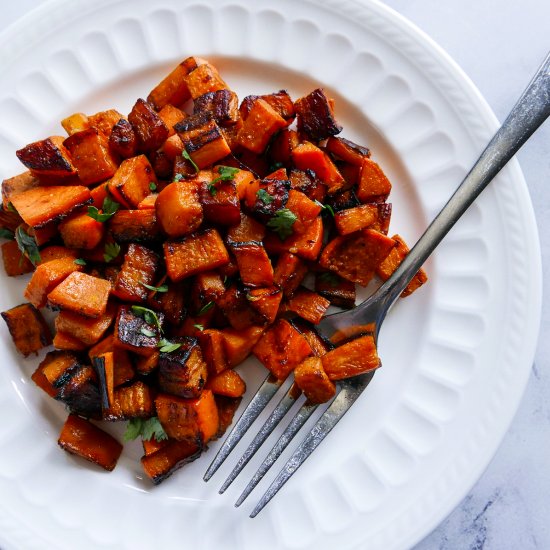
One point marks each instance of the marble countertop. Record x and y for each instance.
(499, 44)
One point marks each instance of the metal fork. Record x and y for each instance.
(530, 111)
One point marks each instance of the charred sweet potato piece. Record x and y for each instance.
(223, 105)
(213, 351)
(47, 157)
(64, 341)
(57, 368)
(280, 150)
(16, 185)
(202, 139)
(41, 205)
(227, 407)
(308, 305)
(265, 301)
(208, 286)
(281, 348)
(220, 203)
(392, 261)
(307, 245)
(198, 252)
(173, 88)
(266, 197)
(123, 140)
(261, 123)
(86, 329)
(183, 372)
(171, 115)
(75, 123)
(151, 132)
(123, 370)
(354, 219)
(44, 234)
(355, 257)
(343, 200)
(382, 224)
(238, 309)
(280, 101)
(171, 303)
(316, 116)
(134, 333)
(46, 277)
(10, 219)
(81, 231)
(130, 184)
(238, 344)
(289, 272)
(350, 172)
(319, 345)
(312, 379)
(347, 150)
(147, 364)
(308, 156)
(135, 226)
(82, 438)
(227, 383)
(303, 208)
(254, 264)
(248, 229)
(105, 369)
(338, 291)
(81, 293)
(81, 393)
(134, 401)
(91, 156)
(56, 252)
(28, 329)
(15, 263)
(172, 456)
(373, 186)
(179, 210)
(350, 359)
(104, 121)
(203, 79)
(139, 269)
(188, 418)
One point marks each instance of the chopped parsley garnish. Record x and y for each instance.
(206, 307)
(178, 177)
(27, 245)
(187, 156)
(109, 208)
(148, 429)
(152, 186)
(198, 326)
(161, 288)
(7, 234)
(212, 189)
(112, 250)
(226, 173)
(80, 261)
(165, 346)
(282, 223)
(147, 332)
(264, 196)
(11, 208)
(326, 208)
(251, 298)
(275, 166)
(149, 316)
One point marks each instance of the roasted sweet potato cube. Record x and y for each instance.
(81, 231)
(56, 252)
(382, 224)
(350, 172)
(123, 370)
(123, 140)
(148, 203)
(303, 208)
(289, 272)
(227, 407)
(316, 116)
(280, 149)
(308, 305)
(281, 348)
(259, 126)
(75, 123)
(162, 164)
(28, 329)
(188, 418)
(134, 401)
(16, 185)
(47, 157)
(105, 369)
(307, 245)
(41, 205)
(338, 291)
(15, 263)
(171, 115)
(82, 438)
(347, 150)
(280, 101)
(373, 186)
(171, 303)
(131, 182)
(46, 277)
(222, 105)
(173, 88)
(308, 156)
(81, 393)
(356, 357)
(254, 264)
(343, 200)
(151, 132)
(312, 379)
(354, 219)
(248, 229)
(183, 372)
(198, 252)
(392, 261)
(317, 343)
(147, 364)
(139, 269)
(178, 207)
(90, 154)
(10, 220)
(227, 383)
(135, 226)
(220, 203)
(213, 351)
(202, 139)
(64, 341)
(105, 121)
(203, 79)
(238, 344)
(238, 310)
(86, 329)
(265, 301)
(151, 446)
(58, 367)
(266, 196)
(134, 333)
(355, 257)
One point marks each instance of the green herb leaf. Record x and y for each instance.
(109, 208)
(178, 177)
(198, 326)
(206, 307)
(152, 186)
(226, 173)
(112, 250)
(27, 245)
(329, 278)
(11, 208)
(161, 288)
(275, 166)
(187, 156)
(147, 332)
(148, 429)
(326, 208)
(80, 261)
(282, 223)
(165, 346)
(212, 189)
(251, 298)
(148, 315)
(264, 196)
(7, 234)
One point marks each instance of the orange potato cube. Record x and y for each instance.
(227, 383)
(312, 379)
(28, 329)
(81, 231)
(204, 78)
(75, 123)
(254, 264)
(87, 330)
(47, 157)
(307, 156)
(357, 218)
(17, 184)
(356, 357)
(130, 184)
(15, 263)
(178, 208)
(238, 344)
(373, 186)
(151, 132)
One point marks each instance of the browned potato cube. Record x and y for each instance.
(222, 105)
(28, 329)
(16, 185)
(130, 184)
(312, 379)
(316, 116)
(123, 139)
(75, 123)
(150, 130)
(104, 121)
(47, 157)
(205, 78)
(134, 401)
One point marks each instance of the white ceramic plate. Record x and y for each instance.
(456, 354)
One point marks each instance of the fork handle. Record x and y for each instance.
(530, 111)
